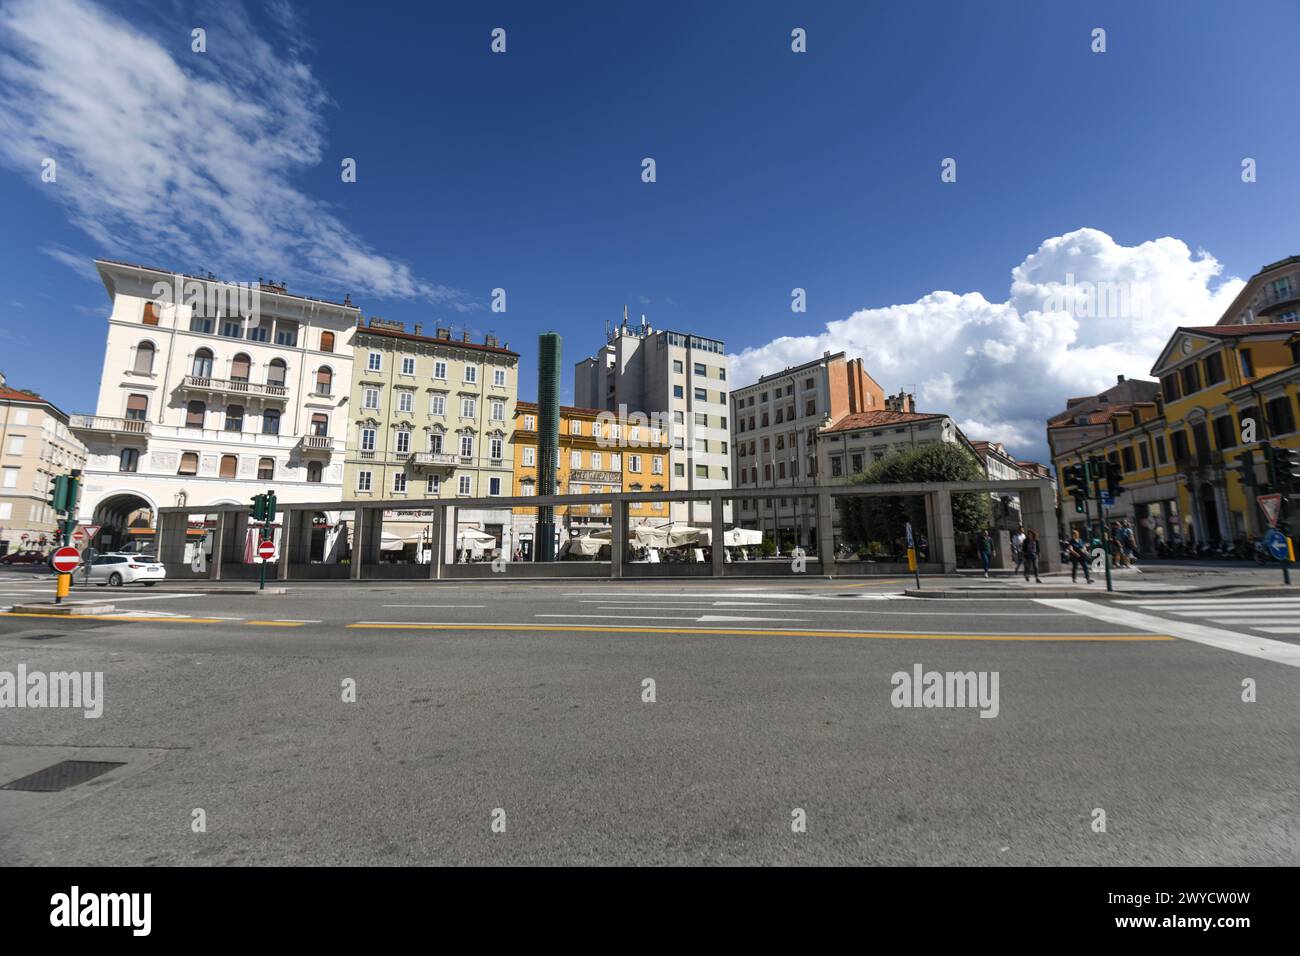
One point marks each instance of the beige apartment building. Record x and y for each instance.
(36, 445)
(430, 417)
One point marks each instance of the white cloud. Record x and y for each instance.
(186, 159)
(1002, 368)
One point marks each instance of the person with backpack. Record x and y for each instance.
(1029, 552)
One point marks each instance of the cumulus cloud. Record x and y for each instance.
(182, 158)
(1081, 309)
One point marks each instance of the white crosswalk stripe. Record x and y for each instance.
(1265, 615)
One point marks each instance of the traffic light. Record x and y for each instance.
(1114, 479)
(59, 493)
(259, 507)
(1076, 479)
(1286, 470)
(269, 497)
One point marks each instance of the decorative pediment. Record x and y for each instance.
(370, 422)
(1182, 345)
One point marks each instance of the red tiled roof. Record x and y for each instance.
(17, 395)
(875, 419)
(571, 409)
(450, 343)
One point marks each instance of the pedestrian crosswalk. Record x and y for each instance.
(1265, 615)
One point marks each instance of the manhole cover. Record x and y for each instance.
(62, 775)
(41, 637)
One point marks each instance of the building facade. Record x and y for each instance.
(776, 421)
(210, 393)
(1271, 296)
(682, 383)
(430, 417)
(596, 454)
(36, 445)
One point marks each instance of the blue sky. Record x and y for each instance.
(775, 170)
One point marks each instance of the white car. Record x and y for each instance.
(118, 569)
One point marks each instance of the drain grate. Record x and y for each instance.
(62, 775)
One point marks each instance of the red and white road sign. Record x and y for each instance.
(1271, 505)
(79, 535)
(266, 550)
(65, 560)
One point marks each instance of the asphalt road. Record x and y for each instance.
(769, 697)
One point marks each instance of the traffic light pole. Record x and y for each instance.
(1105, 533)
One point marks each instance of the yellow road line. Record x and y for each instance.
(707, 632)
(112, 617)
(276, 623)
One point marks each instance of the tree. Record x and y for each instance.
(880, 518)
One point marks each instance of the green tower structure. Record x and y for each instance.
(548, 437)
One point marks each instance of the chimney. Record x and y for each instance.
(441, 333)
(464, 336)
(1121, 379)
(419, 328)
(490, 339)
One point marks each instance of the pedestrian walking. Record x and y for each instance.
(986, 550)
(1017, 542)
(1029, 550)
(1079, 558)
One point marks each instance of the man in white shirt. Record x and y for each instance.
(1017, 547)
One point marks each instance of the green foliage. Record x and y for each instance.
(870, 519)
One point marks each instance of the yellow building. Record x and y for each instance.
(597, 454)
(1181, 454)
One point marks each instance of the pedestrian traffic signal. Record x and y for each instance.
(1114, 479)
(259, 507)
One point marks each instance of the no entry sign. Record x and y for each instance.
(65, 560)
(266, 550)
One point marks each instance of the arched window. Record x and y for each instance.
(320, 424)
(195, 412)
(313, 472)
(266, 468)
(229, 466)
(270, 422)
(276, 372)
(234, 418)
(327, 342)
(239, 368)
(324, 380)
(189, 463)
(203, 363)
(144, 353)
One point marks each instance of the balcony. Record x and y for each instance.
(101, 423)
(226, 386)
(1274, 300)
(320, 444)
(432, 459)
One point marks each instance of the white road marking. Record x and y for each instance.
(1208, 602)
(427, 605)
(626, 617)
(1279, 630)
(1277, 651)
(707, 618)
(146, 597)
(293, 620)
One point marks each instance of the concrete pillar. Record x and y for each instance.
(947, 539)
(437, 524)
(717, 530)
(290, 533)
(826, 532)
(1037, 511)
(618, 537)
(218, 546)
(358, 542)
(172, 536)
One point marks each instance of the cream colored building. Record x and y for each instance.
(212, 392)
(36, 445)
(430, 417)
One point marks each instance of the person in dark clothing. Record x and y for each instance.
(1029, 551)
(1079, 558)
(986, 551)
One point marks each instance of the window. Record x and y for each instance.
(1213, 369)
(405, 401)
(530, 423)
(498, 411)
(678, 367)
(530, 456)
(1223, 436)
(699, 369)
(370, 398)
(324, 380)
(633, 462)
(575, 428)
(679, 470)
(128, 460)
(375, 362)
(239, 368)
(701, 471)
(527, 488)
(678, 392)
(203, 363)
(1191, 379)
(194, 413)
(399, 482)
(408, 365)
(468, 407)
(440, 370)
(234, 418)
(1144, 455)
(229, 466)
(313, 472)
(10, 477)
(855, 461)
(462, 486)
(701, 419)
(258, 333)
(494, 449)
(189, 463)
(137, 407)
(499, 377)
(1281, 419)
(320, 424)
(435, 442)
(363, 481)
(810, 407)
(467, 446)
(1169, 386)
(326, 345)
(231, 328)
(575, 459)
(1247, 364)
(201, 323)
(433, 485)
(275, 372)
(144, 353)
(494, 486)
(1162, 456)
(1126, 454)
(701, 395)
(438, 405)
(471, 373)
(656, 465)
(367, 439)
(403, 442)
(150, 313)
(270, 422)
(597, 461)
